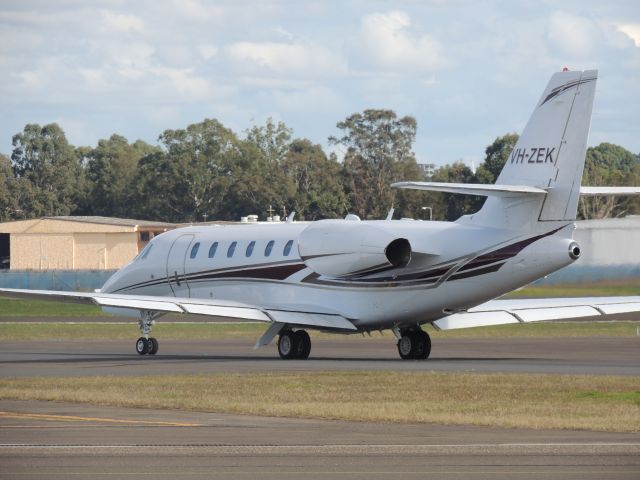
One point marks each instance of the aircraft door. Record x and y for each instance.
(175, 266)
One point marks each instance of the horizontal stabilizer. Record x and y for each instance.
(593, 191)
(499, 312)
(487, 190)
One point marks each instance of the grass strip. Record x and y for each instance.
(19, 307)
(608, 288)
(52, 331)
(603, 403)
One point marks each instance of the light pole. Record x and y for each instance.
(430, 212)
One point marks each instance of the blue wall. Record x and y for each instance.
(70, 280)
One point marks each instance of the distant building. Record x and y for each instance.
(74, 243)
(427, 169)
(609, 251)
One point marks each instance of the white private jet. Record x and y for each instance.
(351, 276)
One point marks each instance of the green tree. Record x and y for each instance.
(318, 191)
(110, 168)
(190, 176)
(448, 206)
(378, 152)
(43, 158)
(609, 165)
(9, 209)
(257, 184)
(496, 156)
(272, 139)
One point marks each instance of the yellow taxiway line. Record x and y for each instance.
(74, 418)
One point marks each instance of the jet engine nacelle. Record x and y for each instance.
(342, 248)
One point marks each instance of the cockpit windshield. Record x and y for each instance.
(145, 252)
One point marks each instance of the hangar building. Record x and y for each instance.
(74, 243)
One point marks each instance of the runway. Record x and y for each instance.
(577, 355)
(60, 440)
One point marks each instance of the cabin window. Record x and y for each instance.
(194, 250)
(250, 248)
(232, 249)
(212, 249)
(287, 248)
(268, 248)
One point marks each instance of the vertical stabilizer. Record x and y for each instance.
(549, 155)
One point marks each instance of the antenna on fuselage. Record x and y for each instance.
(290, 217)
(390, 214)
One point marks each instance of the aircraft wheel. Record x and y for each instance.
(304, 344)
(288, 345)
(407, 346)
(142, 346)
(423, 345)
(152, 345)
(414, 345)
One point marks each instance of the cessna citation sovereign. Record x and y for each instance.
(349, 276)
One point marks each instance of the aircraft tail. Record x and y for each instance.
(549, 156)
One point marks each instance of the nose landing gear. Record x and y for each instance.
(146, 344)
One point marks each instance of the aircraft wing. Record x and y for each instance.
(498, 312)
(194, 306)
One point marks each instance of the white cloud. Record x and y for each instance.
(184, 82)
(121, 22)
(195, 10)
(93, 77)
(572, 35)
(303, 59)
(632, 30)
(386, 40)
(208, 51)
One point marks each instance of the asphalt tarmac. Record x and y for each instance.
(59, 440)
(577, 355)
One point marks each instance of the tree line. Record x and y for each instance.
(206, 170)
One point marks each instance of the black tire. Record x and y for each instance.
(142, 346)
(152, 346)
(304, 344)
(423, 347)
(407, 346)
(288, 345)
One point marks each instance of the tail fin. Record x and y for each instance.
(549, 155)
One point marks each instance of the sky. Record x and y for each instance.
(468, 71)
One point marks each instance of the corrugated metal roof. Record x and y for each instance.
(124, 222)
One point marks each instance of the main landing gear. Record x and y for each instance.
(146, 344)
(294, 345)
(414, 344)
